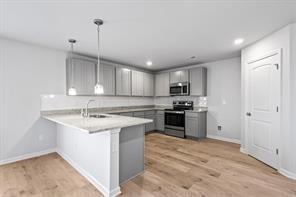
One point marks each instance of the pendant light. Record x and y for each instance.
(99, 89)
(72, 89)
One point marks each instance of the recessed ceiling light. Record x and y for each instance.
(238, 41)
(149, 63)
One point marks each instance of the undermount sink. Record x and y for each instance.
(98, 116)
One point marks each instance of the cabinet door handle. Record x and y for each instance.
(248, 114)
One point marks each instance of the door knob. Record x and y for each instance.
(248, 114)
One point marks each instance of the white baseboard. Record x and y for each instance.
(287, 173)
(90, 178)
(27, 156)
(236, 141)
(282, 171)
(127, 180)
(115, 192)
(242, 150)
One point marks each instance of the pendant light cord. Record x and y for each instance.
(72, 66)
(98, 66)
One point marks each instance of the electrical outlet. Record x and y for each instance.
(219, 128)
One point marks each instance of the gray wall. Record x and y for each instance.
(26, 72)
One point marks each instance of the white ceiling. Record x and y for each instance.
(166, 32)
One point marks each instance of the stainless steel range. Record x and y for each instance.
(175, 118)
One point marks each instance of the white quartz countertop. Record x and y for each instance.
(198, 110)
(93, 125)
(135, 110)
(195, 110)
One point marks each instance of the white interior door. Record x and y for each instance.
(263, 116)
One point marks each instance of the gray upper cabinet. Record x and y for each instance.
(162, 83)
(179, 76)
(137, 83)
(123, 81)
(174, 77)
(83, 77)
(198, 81)
(184, 75)
(107, 78)
(148, 84)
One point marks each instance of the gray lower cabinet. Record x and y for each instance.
(150, 126)
(123, 81)
(107, 78)
(157, 117)
(198, 81)
(139, 114)
(159, 121)
(126, 114)
(195, 124)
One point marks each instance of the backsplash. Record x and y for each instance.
(60, 102)
(197, 101)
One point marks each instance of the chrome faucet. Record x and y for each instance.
(85, 111)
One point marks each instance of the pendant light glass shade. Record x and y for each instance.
(99, 89)
(72, 90)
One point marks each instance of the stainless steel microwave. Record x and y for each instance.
(179, 89)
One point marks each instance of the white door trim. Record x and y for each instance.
(267, 55)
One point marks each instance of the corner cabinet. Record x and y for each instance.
(123, 81)
(195, 124)
(148, 84)
(107, 78)
(137, 83)
(198, 81)
(162, 84)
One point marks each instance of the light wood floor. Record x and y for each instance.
(174, 167)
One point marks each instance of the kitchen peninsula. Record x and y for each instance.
(106, 149)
